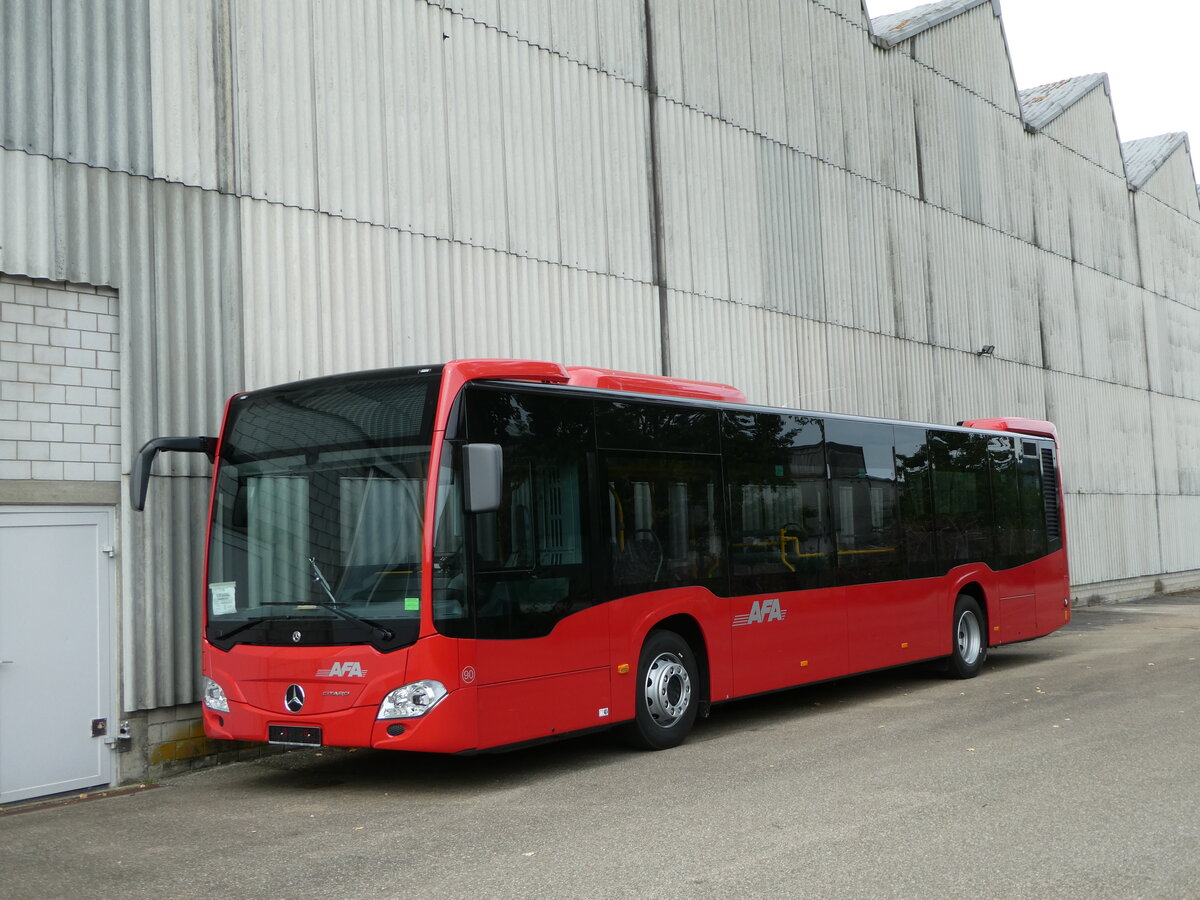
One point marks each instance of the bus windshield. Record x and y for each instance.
(318, 512)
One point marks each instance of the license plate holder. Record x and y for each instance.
(294, 735)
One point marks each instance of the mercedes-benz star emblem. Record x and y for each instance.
(294, 698)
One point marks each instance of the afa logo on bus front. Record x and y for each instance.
(343, 670)
(762, 611)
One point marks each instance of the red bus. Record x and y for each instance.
(489, 553)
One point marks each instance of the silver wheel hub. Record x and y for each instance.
(668, 690)
(970, 638)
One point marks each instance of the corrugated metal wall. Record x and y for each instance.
(280, 189)
(1091, 132)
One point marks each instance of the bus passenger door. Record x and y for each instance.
(541, 650)
(787, 616)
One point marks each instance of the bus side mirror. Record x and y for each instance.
(483, 477)
(139, 478)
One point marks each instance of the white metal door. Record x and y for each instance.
(55, 659)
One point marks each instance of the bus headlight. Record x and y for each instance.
(214, 696)
(412, 700)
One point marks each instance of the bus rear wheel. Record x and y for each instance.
(968, 639)
(666, 693)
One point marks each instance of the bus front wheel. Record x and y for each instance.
(666, 698)
(968, 639)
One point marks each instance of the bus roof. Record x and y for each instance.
(1035, 427)
(589, 377)
(461, 371)
(611, 379)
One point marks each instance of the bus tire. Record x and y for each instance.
(667, 695)
(968, 639)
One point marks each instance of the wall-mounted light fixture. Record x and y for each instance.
(988, 350)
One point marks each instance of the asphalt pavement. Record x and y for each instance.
(1069, 768)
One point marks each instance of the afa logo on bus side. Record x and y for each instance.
(343, 670)
(762, 611)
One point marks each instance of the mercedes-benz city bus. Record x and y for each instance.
(487, 553)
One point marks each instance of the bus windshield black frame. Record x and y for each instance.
(318, 512)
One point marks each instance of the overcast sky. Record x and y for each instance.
(1147, 47)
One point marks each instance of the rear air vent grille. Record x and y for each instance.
(1050, 496)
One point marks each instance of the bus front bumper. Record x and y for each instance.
(448, 727)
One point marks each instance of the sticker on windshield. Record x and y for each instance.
(412, 603)
(224, 597)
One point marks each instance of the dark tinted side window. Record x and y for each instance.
(652, 426)
(780, 530)
(530, 559)
(862, 472)
(664, 521)
(914, 476)
(962, 498)
(1006, 501)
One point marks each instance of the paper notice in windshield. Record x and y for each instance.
(224, 597)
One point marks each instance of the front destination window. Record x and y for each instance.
(317, 520)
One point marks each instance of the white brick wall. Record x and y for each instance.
(59, 382)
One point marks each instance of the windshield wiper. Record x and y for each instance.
(319, 578)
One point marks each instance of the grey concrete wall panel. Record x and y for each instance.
(899, 146)
(77, 81)
(1177, 438)
(101, 80)
(969, 49)
(27, 89)
(162, 557)
(1144, 156)
(292, 260)
(894, 28)
(1173, 181)
(26, 184)
(800, 87)
(780, 358)
(735, 76)
(363, 296)
(1089, 129)
(843, 126)
(700, 56)
(606, 35)
(853, 11)
(1078, 114)
(1178, 330)
(276, 102)
(414, 97)
(349, 112)
(1096, 549)
(1110, 315)
(1170, 265)
(1178, 516)
(191, 93)
(764, 38)
(1044, 103)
